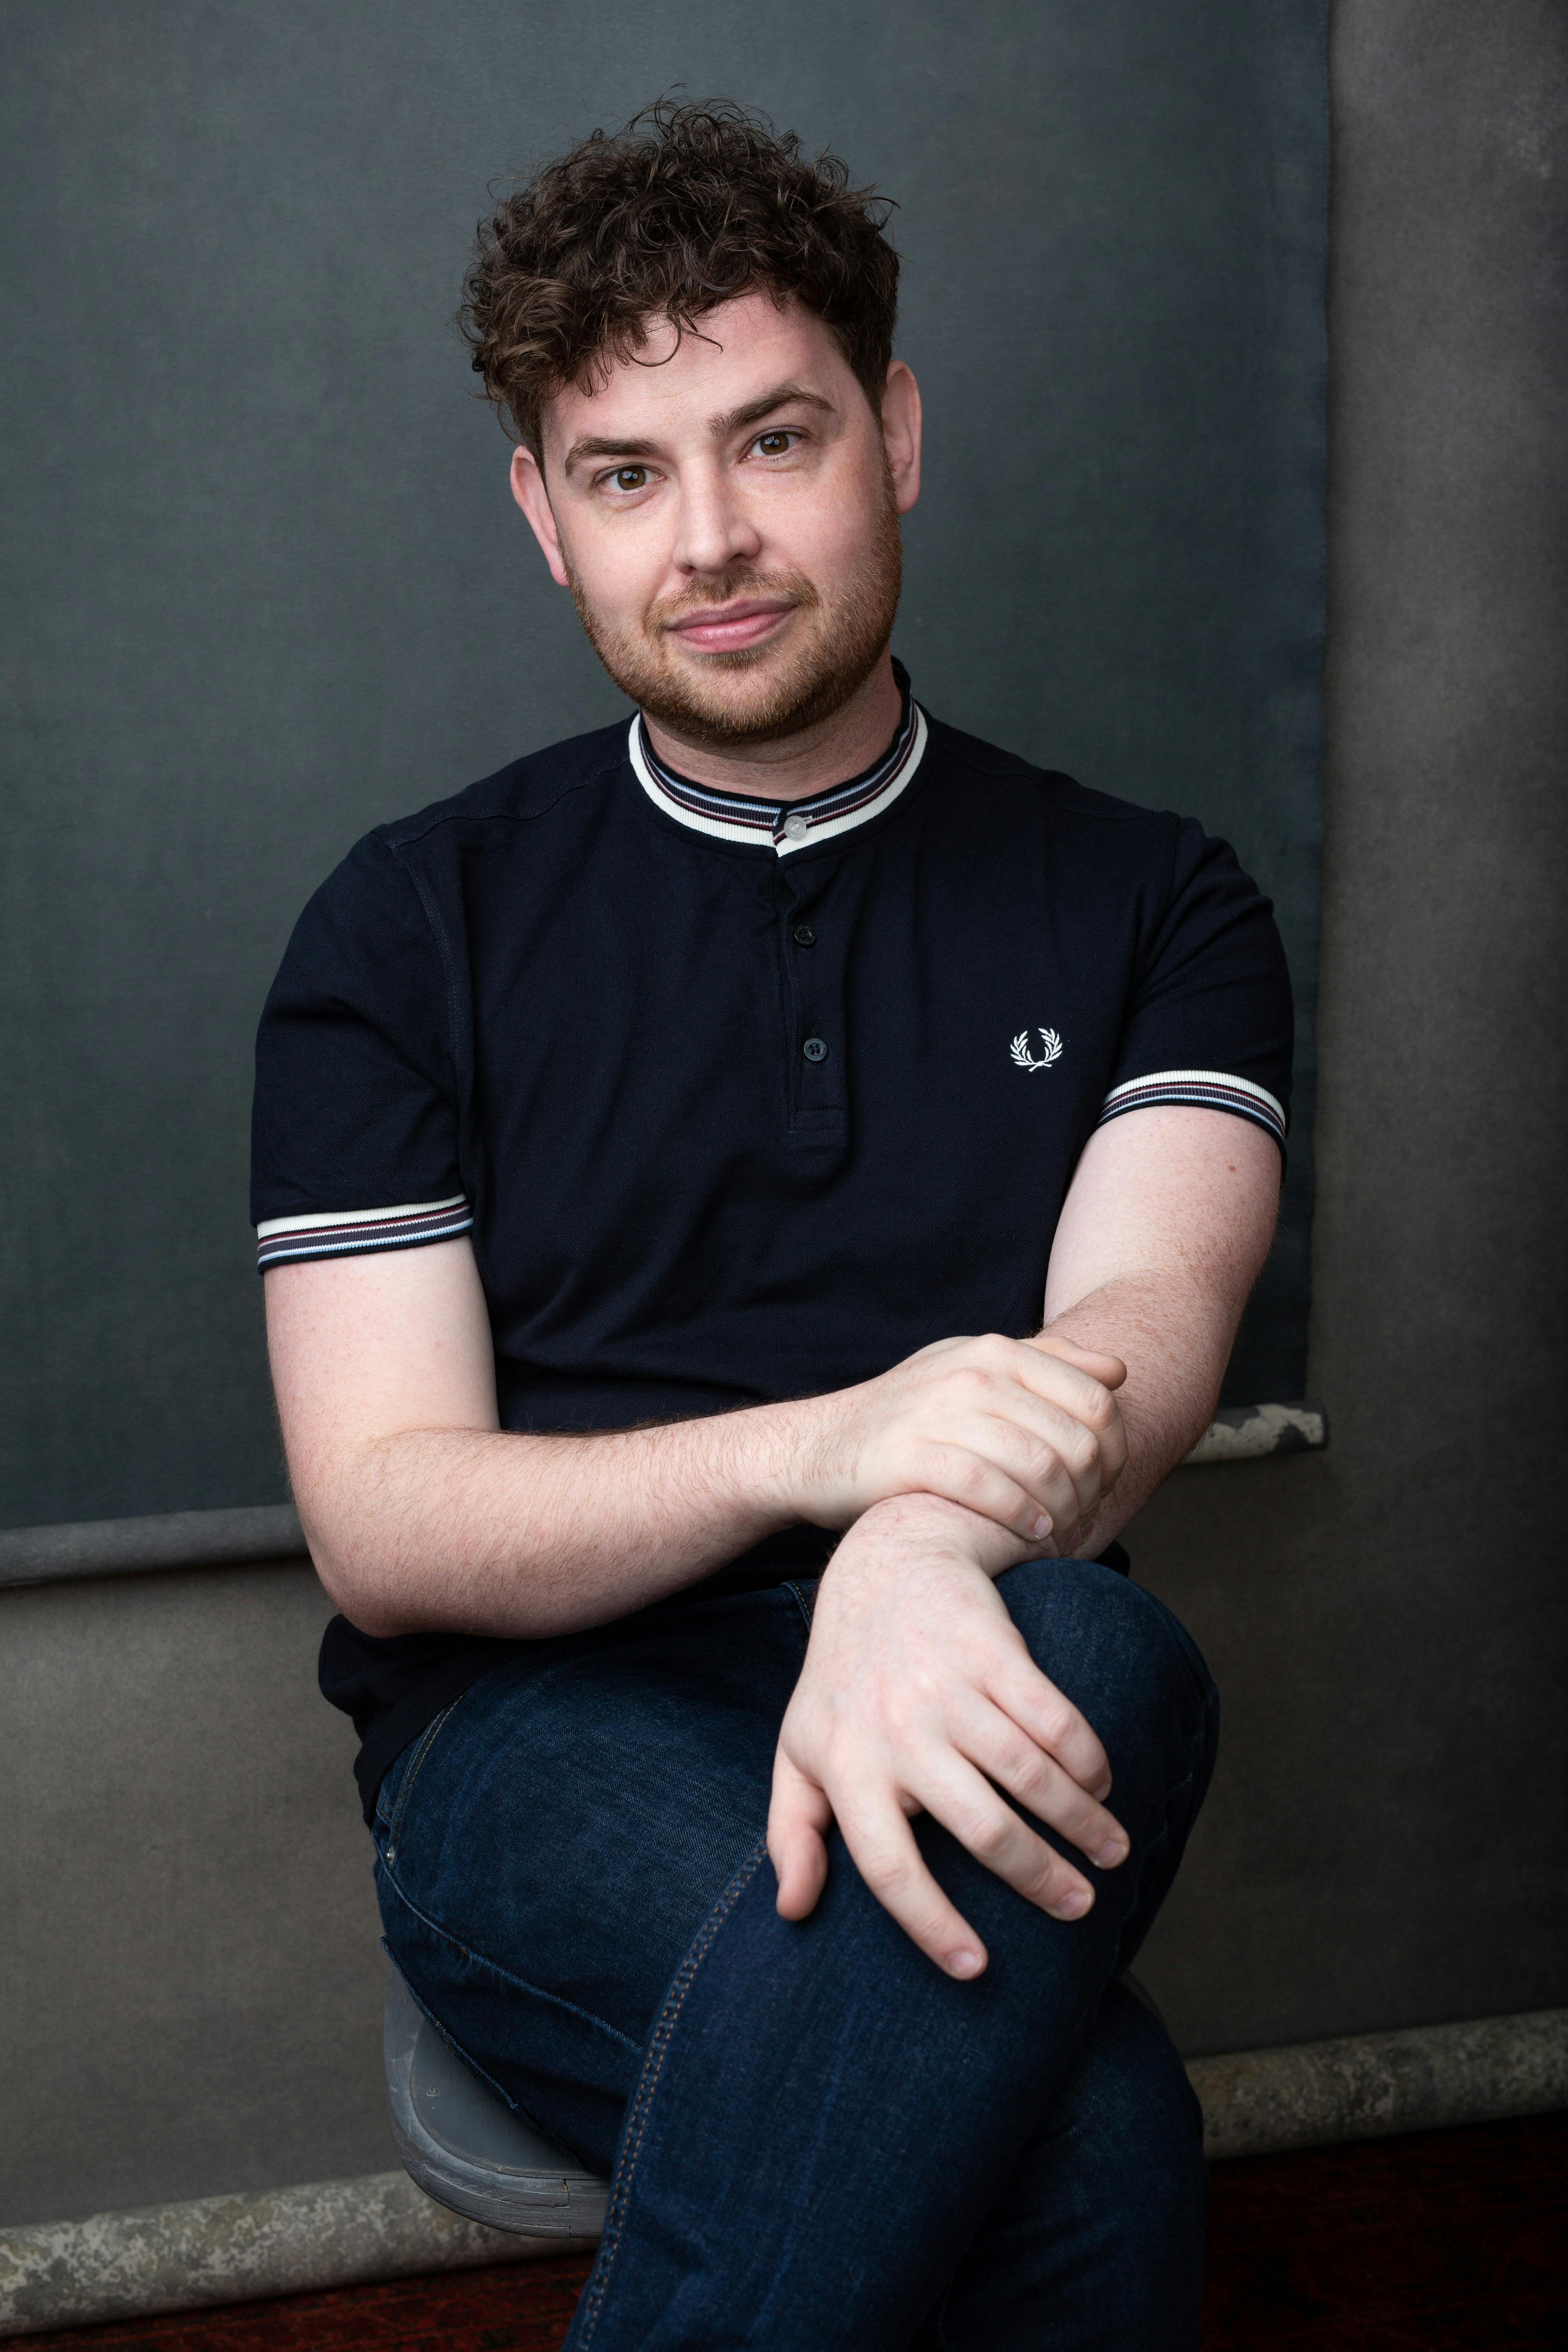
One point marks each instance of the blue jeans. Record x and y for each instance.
(818, 2139)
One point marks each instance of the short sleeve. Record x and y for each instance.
(354, 1127)
(1210, 1024)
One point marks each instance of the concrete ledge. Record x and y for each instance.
(216, 2250)
(342, 2232)
(82, 1548)
(1311, 2094)
(1246, 1432)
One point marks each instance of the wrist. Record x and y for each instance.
(930, 1523)
(800, 1471)
(785, 1469)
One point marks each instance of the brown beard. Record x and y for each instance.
(832, 655)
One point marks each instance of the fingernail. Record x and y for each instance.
(1042, 1526)
(964, 1964)
(1073, 1904)
(1110, 1853)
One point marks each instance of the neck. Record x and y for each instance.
(828, 753)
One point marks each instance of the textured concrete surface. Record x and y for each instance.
(228, 2249)
(337, 2233)
(1246, 1432)
(1363, 2086)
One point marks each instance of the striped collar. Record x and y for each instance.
(783, 826)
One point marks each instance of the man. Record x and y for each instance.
(666, 1153)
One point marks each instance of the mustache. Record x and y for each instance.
(710, 595)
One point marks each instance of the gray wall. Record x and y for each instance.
(190, 1978)
(1386, 1842)
(268, 589)
(196, 1964)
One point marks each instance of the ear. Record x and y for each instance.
(901, 434)
(528, 488)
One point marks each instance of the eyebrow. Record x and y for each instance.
(727, 421)
(754, 411)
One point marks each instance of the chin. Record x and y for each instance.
(759, 693)
(738, 698)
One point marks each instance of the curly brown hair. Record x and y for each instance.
(687, 207)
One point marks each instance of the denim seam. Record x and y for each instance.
(800, 1603)
(415, 1769)
(454, 2045)
(483, 1960)
(636, 2121)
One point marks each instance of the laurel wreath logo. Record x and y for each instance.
(1051, 1050)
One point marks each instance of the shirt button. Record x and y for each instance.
(815, 1049)
(804, 937)
(796, 827)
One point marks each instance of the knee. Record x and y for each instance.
(1129, 2093)
(1064, 1606)
(1109, 1646)
(1131, 2130)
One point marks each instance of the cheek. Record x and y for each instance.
(829, 531)
(621, 572)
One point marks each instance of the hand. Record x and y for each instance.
(917, 1693)
(1023, 1431)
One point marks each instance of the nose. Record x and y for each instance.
(715, 530)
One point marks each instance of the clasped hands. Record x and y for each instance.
(918, 1693)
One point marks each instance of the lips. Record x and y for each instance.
(730, 628)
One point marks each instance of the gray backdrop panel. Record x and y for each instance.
(269, 589)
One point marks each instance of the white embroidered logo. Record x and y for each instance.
(1051, 1045)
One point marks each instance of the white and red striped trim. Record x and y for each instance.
(353, 1230)
(1197, 1090)
(737, 817)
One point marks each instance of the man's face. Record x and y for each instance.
(727, 519)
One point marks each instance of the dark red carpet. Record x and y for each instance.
(1449, 2242)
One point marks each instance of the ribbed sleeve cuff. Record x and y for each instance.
(349, 1232)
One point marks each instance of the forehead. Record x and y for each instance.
(676, 387)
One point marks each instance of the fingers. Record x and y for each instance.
(1106, 1374)
(1016, 1428)
(1050, 1453)
(993, 1741)
(1057, 1393)
(1002, 1477)
(1108, 1371)
(798, 1819)
(882, 1847)
(1080, 1383)
(963, 1801)
(1026, 1435)
(1050, 1722)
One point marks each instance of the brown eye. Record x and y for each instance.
(630, 477)
(774, 445)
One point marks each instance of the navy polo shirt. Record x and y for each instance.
(737, 1101)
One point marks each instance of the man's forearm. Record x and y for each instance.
(1175, 1349)
(489, 1532)
(423, 1515)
